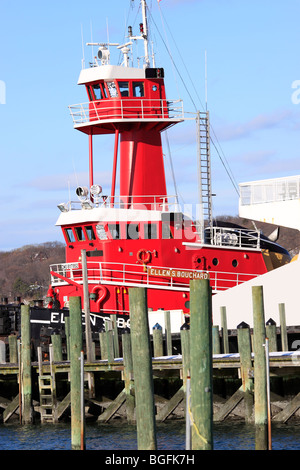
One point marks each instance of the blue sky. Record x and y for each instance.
(253, 59)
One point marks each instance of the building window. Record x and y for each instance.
(150, 231)
(124, 88)
(132, 231)
(90, 232)
(138, 89)
(70, 235)
(115, 231)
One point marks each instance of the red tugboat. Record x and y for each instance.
(141, 237)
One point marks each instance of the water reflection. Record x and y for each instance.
(117, 436)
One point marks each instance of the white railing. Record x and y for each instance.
(153, 202)
(233, 237)
(122, 109)
(272, 190)
(154, 277)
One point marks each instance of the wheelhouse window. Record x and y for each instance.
(101, 232)
(90, 232)
(138, 89)
(70, 235)
(112, 89)
(124, 88)
(166, 231)
(132, 231)
(90, 93)
(97, 92)
(79, 234)
(150, 231)
(114, 231)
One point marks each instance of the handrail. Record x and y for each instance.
(126, 109)
(156, 277)
(234, 237)
(144, 202)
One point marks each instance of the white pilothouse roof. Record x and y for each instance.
(109, 72)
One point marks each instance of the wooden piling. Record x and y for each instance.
(67, 333)
(260, 378)
(224, 330)
(216, 339)
(283, 331)
(128, 375)
(57, 348)
(271, 335)
(201, 364)
(142, 368)
(158, 349)
(75, 375)
(26, 365)
(13, 349)
(244, 345)
(185, 351)
(168, 334)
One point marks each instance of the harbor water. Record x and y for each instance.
(119, 437)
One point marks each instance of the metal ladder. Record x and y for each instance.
(47, 391)
(204, 171)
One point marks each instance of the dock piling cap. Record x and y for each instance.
(157, 327)
(243, 325)
(271, 322)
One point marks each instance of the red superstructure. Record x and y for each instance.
(141, 237)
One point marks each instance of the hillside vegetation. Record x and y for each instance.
(25, 271)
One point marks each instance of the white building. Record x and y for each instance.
(275, 201)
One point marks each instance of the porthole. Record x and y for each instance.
(234, 263)
(215, 261)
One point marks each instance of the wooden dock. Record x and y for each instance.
(166, 369)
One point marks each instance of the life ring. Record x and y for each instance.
(144, 256)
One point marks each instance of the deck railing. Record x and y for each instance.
(153, 277)
(122, 109)
(232, 237)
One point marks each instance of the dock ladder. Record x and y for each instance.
(47, 391)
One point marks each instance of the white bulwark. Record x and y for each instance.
(276, 201)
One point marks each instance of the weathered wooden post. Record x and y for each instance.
(185, 351)
(168, 333)
(57, 348)
(114, 324)
(103, 344)
(158, 349)
(110, 346)
(244, 345)
(26, 365)
(67, 333)
(201, 364)
(13, 349)
(128, 374)
(260, 378)
(271, 334)
(224, 330)
(142, 368)
(216, 339)
(75, 371)
(283, 331)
